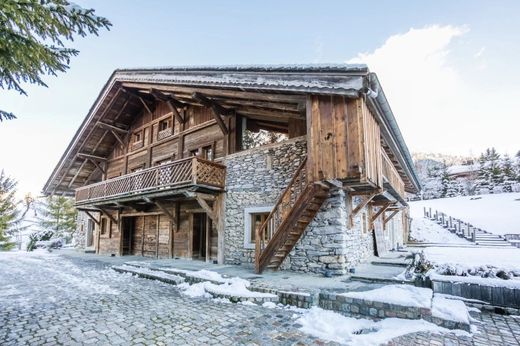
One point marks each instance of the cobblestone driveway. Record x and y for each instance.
(56, 300)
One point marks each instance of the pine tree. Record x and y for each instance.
(493, 166)
(445, 181)
(508, 174)
(32, 39)
(8, 209)
(58, 215)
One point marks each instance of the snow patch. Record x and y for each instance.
(334, 327)
(404, 295)
(449, 309)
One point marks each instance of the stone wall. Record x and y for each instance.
(328, 245)
(255, 179)
(79, 237)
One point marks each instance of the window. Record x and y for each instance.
(207, 153)
(257, 220)
(103, 225)
(364, 222)
(138, 137)
(165, 129)
(194, 152)
(253, 219)
(164, 125)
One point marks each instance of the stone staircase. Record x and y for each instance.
(488, 239)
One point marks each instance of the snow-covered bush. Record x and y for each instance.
(421, 266)
(43, 235)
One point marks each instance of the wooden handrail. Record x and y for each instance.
(391, 174)
(296, 186)
(191, 170)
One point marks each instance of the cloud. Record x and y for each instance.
(436, 107)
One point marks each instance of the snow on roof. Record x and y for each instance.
(324, 78)
(325, 67)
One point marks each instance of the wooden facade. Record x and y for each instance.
(148, 163)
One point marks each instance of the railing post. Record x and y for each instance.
(194, 170)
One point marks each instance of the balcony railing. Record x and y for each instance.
(391, 175)
(181, 173)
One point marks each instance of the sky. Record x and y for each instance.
(449, 68)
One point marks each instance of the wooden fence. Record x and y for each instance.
(454, 225)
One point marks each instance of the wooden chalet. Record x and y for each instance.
(153, 165)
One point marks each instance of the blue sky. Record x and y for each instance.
(446, 66)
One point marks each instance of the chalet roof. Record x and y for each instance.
(290, 81)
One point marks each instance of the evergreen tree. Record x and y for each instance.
(508, 174)
(58, 215)
(445, 182)
(495, 171)
(8, 209)
(32, 39)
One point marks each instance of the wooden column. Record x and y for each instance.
(120, 231)
(219, 211)
(207, 240)
(158, 220)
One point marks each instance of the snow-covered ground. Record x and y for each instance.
(427, 231)
(496, 213)
(405, 295)
(332, 326)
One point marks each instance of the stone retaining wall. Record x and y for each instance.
(497, 296)
(378, 310)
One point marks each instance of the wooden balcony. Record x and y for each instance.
(188, 172)
(391, 177)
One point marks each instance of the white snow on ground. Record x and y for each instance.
(68, 279)
(427, 231)
(200, 274)
(496, 213)
(332, 326)
(235, 286)
(449, 309)
(405, 295)
(194, 291)
(148, 271)
(472, 259)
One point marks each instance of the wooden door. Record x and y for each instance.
(128, 229)
(199, 243)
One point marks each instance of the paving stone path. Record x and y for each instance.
(50, 299)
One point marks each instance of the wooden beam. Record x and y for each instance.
(206, 208)
(175, 112)
(112, 127)
(167, 212)
(380, 211)
(364, 201)
(386, 219)
(92, 217)
(77, 173)
(119, 139)
(247, 95)
(93, 157)
(139, 97)
(97, 165)
(108, 215)
(217, 109)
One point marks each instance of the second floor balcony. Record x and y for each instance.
(189, 172)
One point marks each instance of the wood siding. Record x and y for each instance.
(343, 141)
